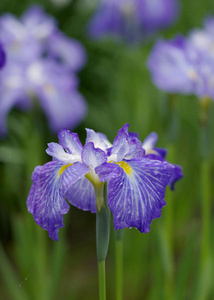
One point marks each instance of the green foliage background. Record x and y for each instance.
(166, 262)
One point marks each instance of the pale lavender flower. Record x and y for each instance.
(41, 63)
(173, 67)
(185, 65)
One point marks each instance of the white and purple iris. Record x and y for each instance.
(137, 179)
(41, 63)
(132, 20)
(185, 64)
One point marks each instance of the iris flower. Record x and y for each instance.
(132, 20)
(185, 64)
(41, 64)
(136, 181)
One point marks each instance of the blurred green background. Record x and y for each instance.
(162, 264)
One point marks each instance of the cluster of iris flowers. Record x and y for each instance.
(136, 174)
(185, 64)
(41, 63)
(132, 20)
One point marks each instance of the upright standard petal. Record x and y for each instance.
(93, 157)
(46, 200)
(136, 194)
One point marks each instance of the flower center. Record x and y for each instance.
(126, 167)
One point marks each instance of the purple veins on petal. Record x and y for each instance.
(93, 157)
(136, 199)
(70, 141)
(81, 195)
(46, 200)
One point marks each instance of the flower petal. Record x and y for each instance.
(150, 141)
(92, 156)
(99, 139)
(70, 141)
(176, 175)
(81, 195)
(46, 200)
(136, 196)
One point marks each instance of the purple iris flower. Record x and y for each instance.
(132, 20)
(185, 65)
(2, 56)
(136, 182)
(149, 146)
(41, 63)
(173, 66)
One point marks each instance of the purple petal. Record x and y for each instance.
(81, 195)
(136, 197)
(125, 146)
(70, 141)
(46, 200)
(63, 110)
(171, 68)
(150, 141)
(108, 171)
(58, 153)
(98, 139)
(93, 157)
(176, 175)
(38, 23)
(69, 51)
(2, 56)
(161, 151)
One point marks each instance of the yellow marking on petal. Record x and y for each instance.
(152, 152)
(125, 166)
(63, 168)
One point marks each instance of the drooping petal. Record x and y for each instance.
(93, 157)
(176, 175)
(46, 200)
(136, 196)
(81, 195)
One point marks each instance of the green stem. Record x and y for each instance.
(102, 280)
(102, 234)
(206, 212)
(119, 263)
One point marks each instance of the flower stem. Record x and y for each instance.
(102, 280)
(206, 211)
(102, 235)
(119, 263)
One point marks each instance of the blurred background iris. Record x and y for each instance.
(99, 64)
